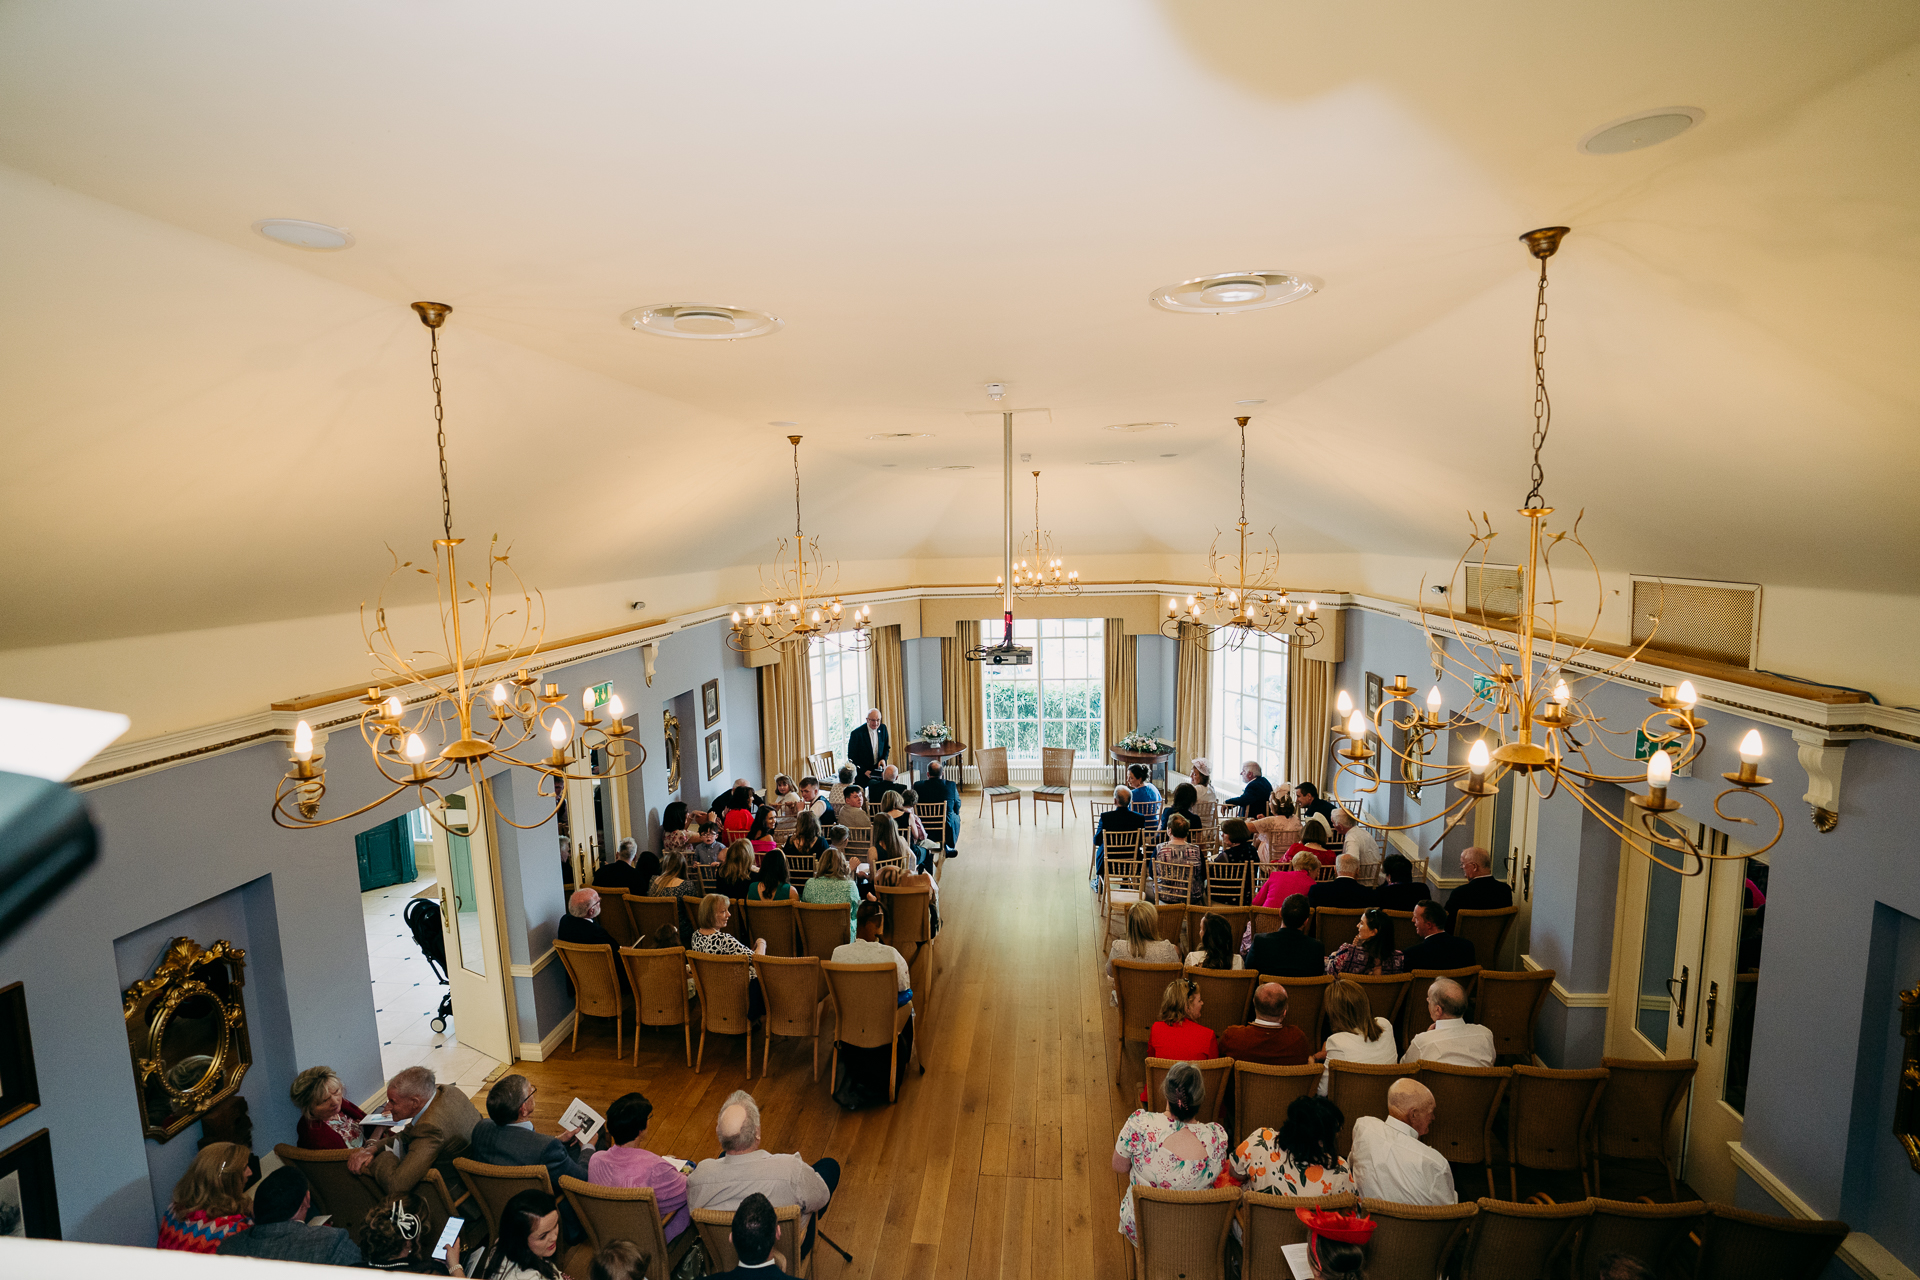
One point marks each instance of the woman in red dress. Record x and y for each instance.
(1179, 1033)
(1315, 838)
(328, 1121)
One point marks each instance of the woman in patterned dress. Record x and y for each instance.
(1300, 1159)
(1166, 1149)
(1170, 885)
(1371, 950)
(210, 1201)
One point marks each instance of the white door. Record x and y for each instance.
(469, 903)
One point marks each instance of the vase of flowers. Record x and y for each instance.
(935, 734)
(1142, 742)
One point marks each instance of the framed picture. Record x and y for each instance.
(28, 1208)
(709, 704)
(714, 761)
(19, 1087)
(1375, 694)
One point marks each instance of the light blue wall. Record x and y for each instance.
(1154, 673)
(920, 664)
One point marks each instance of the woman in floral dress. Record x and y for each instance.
(1166, 1149)
(1371, 950)
(1300, 1159)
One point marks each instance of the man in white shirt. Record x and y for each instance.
(1388, 1159)
(866, 947)
(742, 1169)
(1359, 841)
(1453, 1040)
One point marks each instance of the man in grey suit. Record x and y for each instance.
(506, 1136)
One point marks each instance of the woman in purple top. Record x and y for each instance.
(628, 1163)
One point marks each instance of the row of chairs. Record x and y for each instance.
(791, 927)
(1184, 1233)
(1127, 882)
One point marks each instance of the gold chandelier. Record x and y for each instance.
(1040, 571)
(1245, 599)
(798, 585)
(426, 740)
(1538, 722)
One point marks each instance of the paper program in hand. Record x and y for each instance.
(583, 1118)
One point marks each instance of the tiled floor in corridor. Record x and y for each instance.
(407, 993)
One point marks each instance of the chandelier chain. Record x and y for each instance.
(440, 434)
(1243, 471)
(796, 485)
(1542, 405)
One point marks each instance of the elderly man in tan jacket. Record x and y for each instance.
(439, 1127)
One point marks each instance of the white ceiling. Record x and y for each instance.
(206, 428)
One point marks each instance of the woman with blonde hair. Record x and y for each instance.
(889, 845)
(328, 1119)
(832, 881)
(210, 1201)
(1143, 943)
(1278, 828)
(1357, 1036)
(1287, 880)
(674, 880)
(1179, 1034)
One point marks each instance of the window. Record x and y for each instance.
(1059, 701)
(1250, 709)
(841, 694)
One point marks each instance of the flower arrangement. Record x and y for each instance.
(1144, 742)
(935, 732)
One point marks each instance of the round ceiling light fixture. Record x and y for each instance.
(700, 320)
(953, 466)
(902, 435)
(1235, 291)
(316, 237)
(1140, 426)
(1249, 401)
(1112, 462)
(1640, 130)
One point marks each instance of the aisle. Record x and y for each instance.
(994, 1163)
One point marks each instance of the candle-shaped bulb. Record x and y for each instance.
(1561, 694)
(736, 617)
(1173, 607)
(1233, 597)
(1190, 599)
(1659, 769)
(586, 703)
(1343, 704)
(1433, 702)
(416, 749)
(1313, 608)
(393, 708)
(557, 734)
(766, 611)
(1196, 610)
(1750, 747)
(816, 616)
(303, 741)
(793, 611)
(998, 580)
(1685, 695)
(1356, 726)
(500, 689)
(1478, 759)
(616, 710)
(836, 608)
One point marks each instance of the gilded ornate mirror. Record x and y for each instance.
(187, 1030)
(670, 726)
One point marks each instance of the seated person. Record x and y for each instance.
(1371, 950)
(1267, 1039)
(1483, 890)
(742, 1169)
(1399, 893)
(1185, 797)
(1143, 941)
(528, 1247)
(1437, 948)
(1289, 878)
(813, 802)
(852, 811)
(1355, 838)
(1452, 1039)
(864, 1080)
(1316, 837)
(760, 834)
(1306, 798)
(785, 799)
(1343, 890)
(394, 1238)
(806, 843)
(1237, 842)
(866, 948)
(622, 1260)
(740, 807)
(1179, 1033)
(708, 848)
(329, 1121)
(883, 779)
(1217, 949)
(1119, 818)
(736, 872)
(280, 1229)
(935, 789)
(1255, 792)
(1299, 1160)
(1388, 1159)
(676, 879)
(1172, 883)
(439, 1121)
(581, 924)
(1358, 1036)
(507, 1136)
(895, 878)
(628, 1163)
(210, 1202)
(1167, 1149)
(1278, 830)
(773, 883)
(755, 1231)
(1143, 792)
(1289, 951)
(621, 875)
(832, 881)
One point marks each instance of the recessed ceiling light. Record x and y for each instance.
(1112, 462)
(958, 466)
(1249, 401)
(1139, 426)
(315, 236)
(1642, 129)
(1235, 291)
(902, 435)
(700, 320)
(783, 424)
(1169, 455)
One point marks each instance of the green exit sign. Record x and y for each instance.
(1644, 747)
(1485, 688)
(601, 693)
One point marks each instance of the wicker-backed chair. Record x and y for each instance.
(1124, 884)
(774, 922)
(1230, 884)
(337, 1190)
(648, 914)
(1521, 1241)
(1636, 1112)
(659, 981)
(1170, 921)
(626, 1213)
(796, 997)
(722, 981)
(495, 1184)
(1740, 1244)
(1413, 1006)
(596, 988)
(1508, 1004)
(1269, 1223)
(1226, 996)
(868, 1014)
(1336, 926)
(1306, 999)
(822, 927)
(908, 929)
(1056, 782)
(616, 920)
(1214, 1073)
(1183, 1234)
(1550, 1121)
(1139, 986)
(1265, 920)
(1403, 934)
(1412, 1241)
(715, 1227)
(1360, 1089)
(1486, 930)
(1386, 992)
(994, 788)
(1466, 1100)
(1647, 1231)
(1262, 1094)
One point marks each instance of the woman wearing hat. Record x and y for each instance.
(1336, 1243)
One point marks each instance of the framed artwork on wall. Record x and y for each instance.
(1376, 694)
(19, 1086)
(714, 759)
(709, 704)
(28, 1207)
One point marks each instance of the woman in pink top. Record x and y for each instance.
(628, 1163)
(1279, 829)
(1286, 882)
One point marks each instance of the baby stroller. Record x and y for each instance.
(422, 916)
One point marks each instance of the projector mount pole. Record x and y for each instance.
(1006, 506)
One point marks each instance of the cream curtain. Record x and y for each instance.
(786, 714)
(960, 685)
(889, 684)
(1192, 697)
(1309, 703)
(1120, 698)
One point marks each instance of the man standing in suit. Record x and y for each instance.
(1256, 792)
(1268, 1039)
(1343, 890)
(1119, 818)
(935, 789)
(506, 1136)
(438, 1123)
(1437, 948)
(1483, 891)
(755, 1231)
(867, 748)
(1289, 951)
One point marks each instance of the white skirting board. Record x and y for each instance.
(529, 1052)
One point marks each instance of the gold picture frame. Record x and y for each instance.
(187, 1032)
(1906, 1102)
(670, 726)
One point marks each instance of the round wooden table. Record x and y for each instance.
(1123, 759)
(929, 752)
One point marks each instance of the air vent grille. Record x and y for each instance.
(1718, 621)
(1492, 591)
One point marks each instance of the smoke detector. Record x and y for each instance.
(317, 237)
(700, 320)
(1640, 130)
(1235, 291)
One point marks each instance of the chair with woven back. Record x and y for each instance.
(1649, 1232)
(1306, 1001)
(1237, 919)
(1403, 936)
(615, 918)
(1269, 1223)
(1230, 884)
(1262, 1094)
(1214, 1072)
(1637, 1110)
(995, 791)
(1336, 926)
(648, 914)
(822, 927)
(1056, 782)
(337, 1190)
(1737, 1244)
(722, 983)
(774, 922)
(1226, 996)
(1510, 1241)
(715, 1227)
(626, 1213)
(1508, 1004)
(1386, 992)
(1170, 921)
(493, 1185)
(1550, 1121)
(1486, 930)
(597, 992)
(1414, 1016)
(659, 980)
(907, 927)
(1265, 920)
(1466, 1100)
(795, 992)
(1360, 1089)
(1139, 986)
(1124, 884)
(868, 1015)
(1183, 1234)
(1412, 1241)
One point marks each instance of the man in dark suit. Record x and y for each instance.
(280, 1229)
(936, 788)
(1257, 792)
(1289, 951)
(1483, 891)
(1437, 948)
(1343, 890)
(1400, 893)
(1306, 798)
(1267, 1039)
(506, 1136)
(867, 748)
(755, 1232)
(1119, 818)
(621, 875)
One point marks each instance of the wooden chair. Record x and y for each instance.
(1360, 1089)
(1262, 1094)
(337, 1190)
(1413, 1007)
(1177, 884)
(1150, 810)
(1549, 1120)
(1403, 934)
(994, 790)
(800, 869)
(1124, 884)
(1737, 1243)
(1647, 1231)
(1306, 999)
(715, 1227)
(796, 997)
(708, 874)
(596, 988)
(495, 1184)
(1486, 930)
(1170, 922)
(1413, 1242)
(934, 818)
(1336, 926)
(1056, 782)
(1636, 1112)
(1214, 1074)
(868, 1014)
(615, 919)
(626, 1213)
(1265, 920)
(722, 982)
(1271, 1222)
(774, 922)
(859, 845)
(822, 927)
(1237, 919)
(1521, 1241)
(908, 929)
(1183, 1234)
(1139, 986)
(1466, 1100)
(1226, 996)
(659, 981)
(1117, 844)
(1385, 993)
(648, 914)
(1230, 885)
(1508, 1004)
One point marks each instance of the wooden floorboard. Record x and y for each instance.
(993, 1163)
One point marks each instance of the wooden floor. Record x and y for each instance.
(996, 1161)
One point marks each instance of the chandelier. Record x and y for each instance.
(1529, 682)
(450, 721)
(798, 585)
(1039, 571)
(1245, 600)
